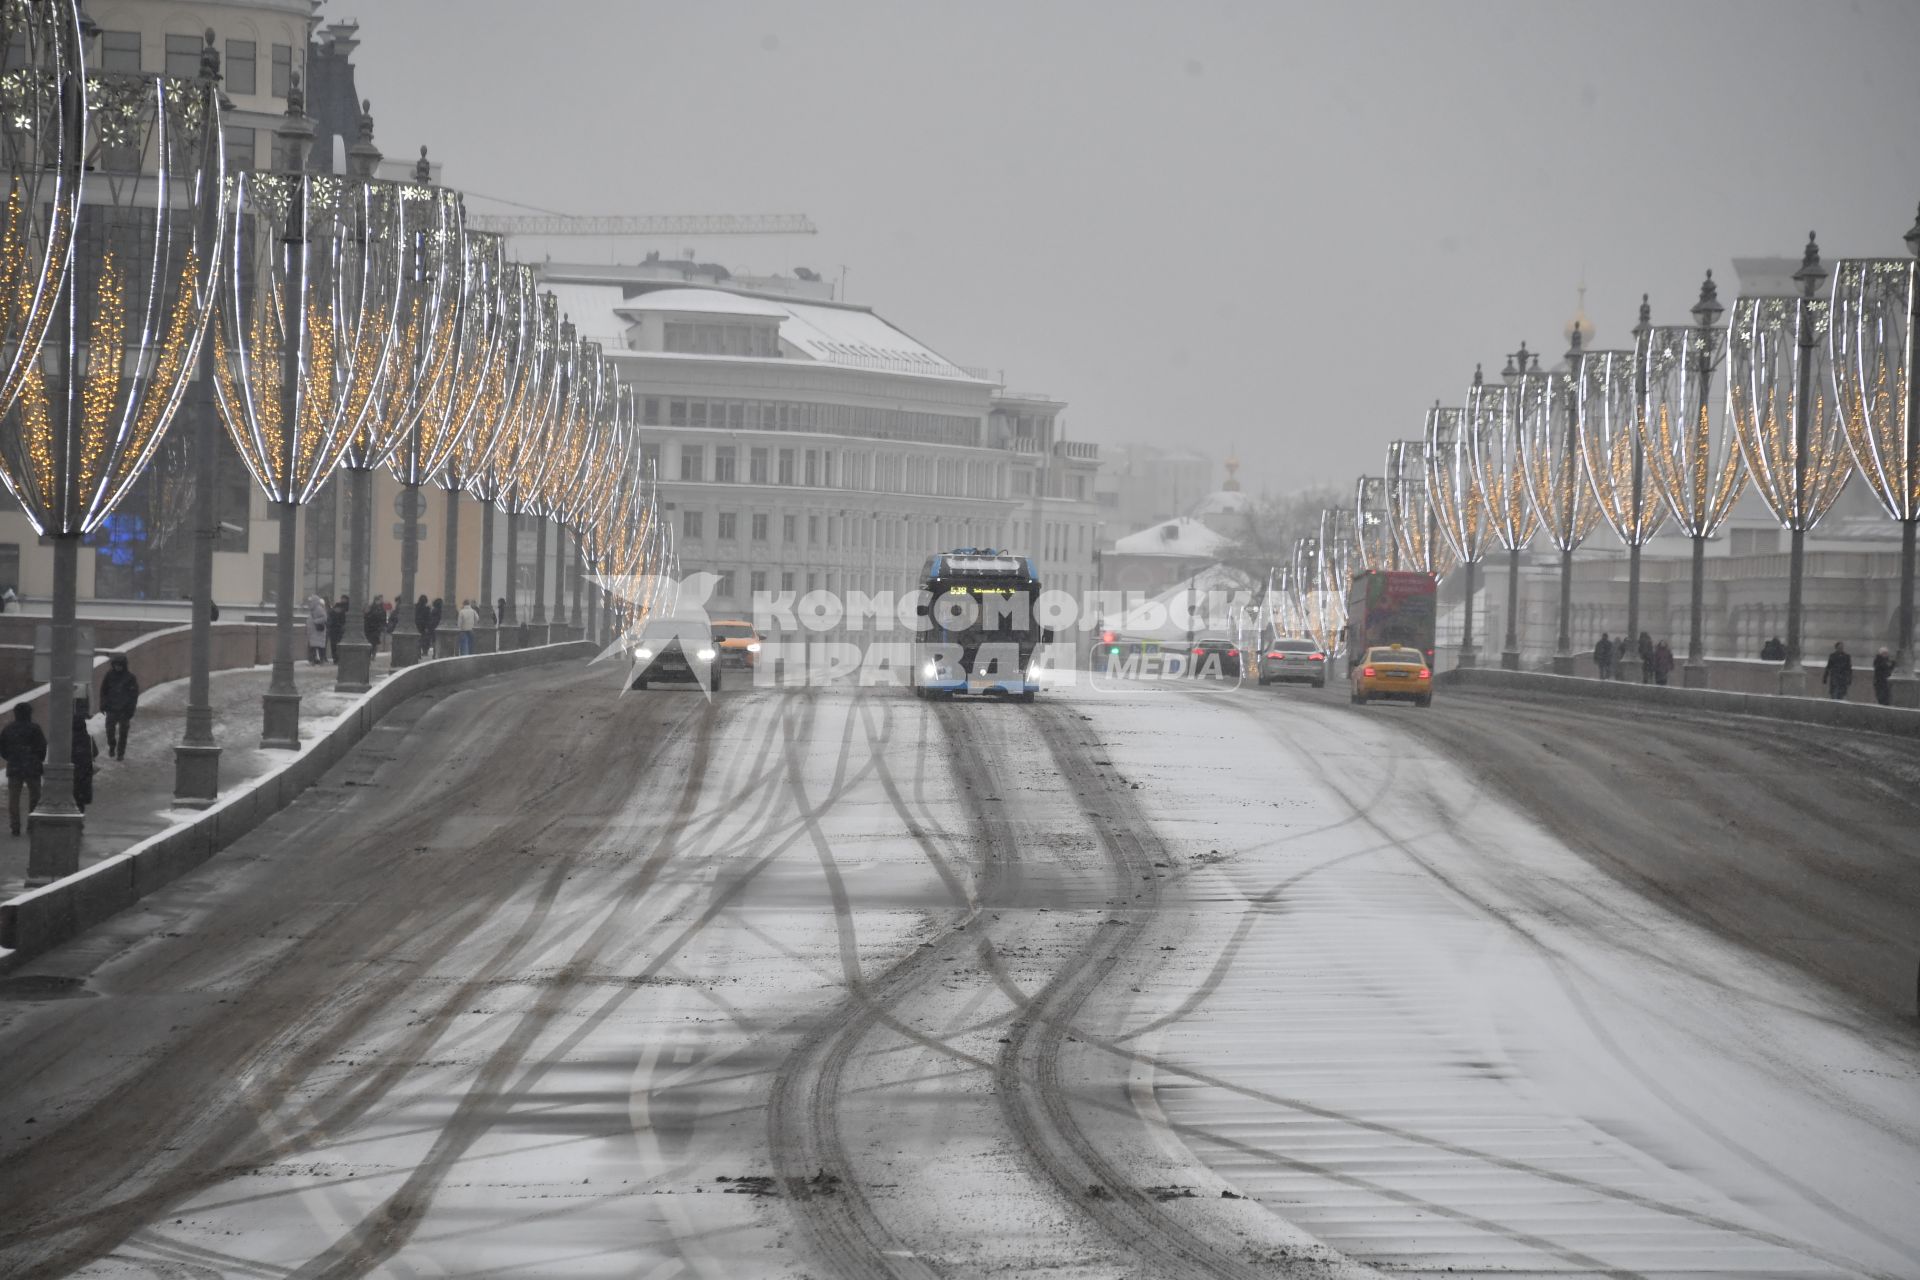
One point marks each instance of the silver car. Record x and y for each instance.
(1294, 660)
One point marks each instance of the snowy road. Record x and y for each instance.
(827, 984)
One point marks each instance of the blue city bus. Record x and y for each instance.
(981, 615)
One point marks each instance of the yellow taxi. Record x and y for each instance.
(1391, 671)
(735, 642)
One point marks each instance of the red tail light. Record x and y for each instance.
(1233, 653)
(1199, 653)
(1276, 655)
(1318, 657)
(1366, 671)
(1425, 674)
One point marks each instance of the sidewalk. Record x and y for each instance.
(133, 798)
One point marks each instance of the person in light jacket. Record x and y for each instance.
(316, 629)
(469, 619)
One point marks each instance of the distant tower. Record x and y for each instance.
(1580, 324)
(1232, 483)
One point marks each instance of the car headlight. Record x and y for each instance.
(753, 646)
(643, 654)
(933, 671)
(705, 655)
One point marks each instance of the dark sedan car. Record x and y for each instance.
(1214, 659)
(675, 653)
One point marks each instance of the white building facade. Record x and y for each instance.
(802, 444)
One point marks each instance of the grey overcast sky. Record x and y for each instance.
(1276, 228)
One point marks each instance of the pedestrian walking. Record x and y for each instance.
(119, 698)
(393, 613)
(1662, 662)
(316, 630)
(85, 752)
(423, 623)
(1603, 656)
(468, 618)
(500, 611)
(1883, 677)
(23, 745)
(337, 628)
(1773, 651)
(1645, 647)
(373, 623)
(1838, 677)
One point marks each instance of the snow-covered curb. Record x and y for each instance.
(1901, 722)
(42, 918)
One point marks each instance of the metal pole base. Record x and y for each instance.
(281, 731)
(485, 640)
(1468, 657)
(1562, 664)
(355, 673)
(1793, 681)
(53, 850)
(536, 634)
(406, 648)
(196, 776)
(1694, 675)
(1627, 670)
(1905, 689)
(1509, 659)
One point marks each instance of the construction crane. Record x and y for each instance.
(686, 224)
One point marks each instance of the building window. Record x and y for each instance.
(757, 466)
(183, 56)
(649, 459)
(813, 531)
(759, 526)
(650, 414)
(789, 529)
(677, 413)
(724, 464)
(693, 462)
(690, 524)
(120, 51)
(757, 581)
(786, 579)
(724, 587)
(240, 150)
(729, 526)
(241, 67)
(697, 413)
(9, 567)
(282, 69)
(786, 466)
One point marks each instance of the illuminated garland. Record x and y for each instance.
(1612, 440)
(1493, 448)
(1692, 451)
(1459, 504)
(1870, 348)
(1549, 457)
(1763, 390)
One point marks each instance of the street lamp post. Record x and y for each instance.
(119, 350)
(196, 757)
(1493, 433)
(1790, 434)
(1693, 452)
(1875, 343)
(1613, 453)
(1459, 507)
(1549, 412)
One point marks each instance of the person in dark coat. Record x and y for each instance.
(1883, 677)
(23, 745)
(1662, 663)
(1838, 677)
(1603, 656)
(393, 614)
(1645, 645)
(85, 752)
(1773, 651)
(336, 627)
(439, 611)
(119, 698)
(423, 623)
(499, 611)
(373, 624)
